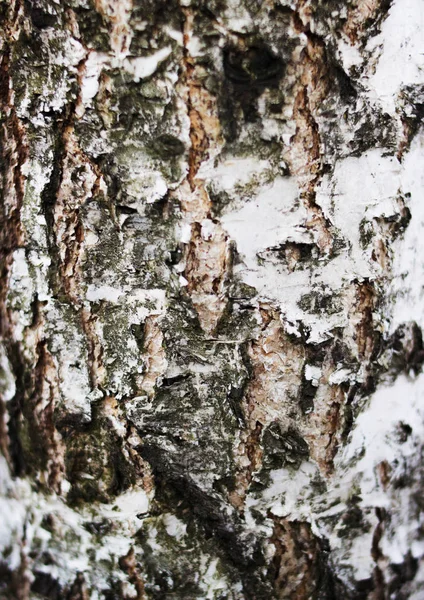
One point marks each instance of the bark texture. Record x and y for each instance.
(211, 263)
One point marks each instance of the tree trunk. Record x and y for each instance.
(211, 299)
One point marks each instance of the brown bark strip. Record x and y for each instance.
(271, 395)
(78, 589)
(14, 155)
(117, 13)
(128, 564)
(378, 574)
(304, 154)
(39, 416)
(155, 362)
(77, 179)
(295, 563)
(207, 256)
(365, 303)
(361, 14)
(14, 149)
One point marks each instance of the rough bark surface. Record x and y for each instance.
(211, 263)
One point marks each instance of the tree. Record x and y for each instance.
(211, 299)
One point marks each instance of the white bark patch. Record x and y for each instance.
(92, 70)
(399, 48)
(408, 264)
(144, 66)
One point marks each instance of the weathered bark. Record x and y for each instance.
(211, 299)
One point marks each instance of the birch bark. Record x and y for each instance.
(211, 264)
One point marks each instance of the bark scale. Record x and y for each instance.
(211, 323)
